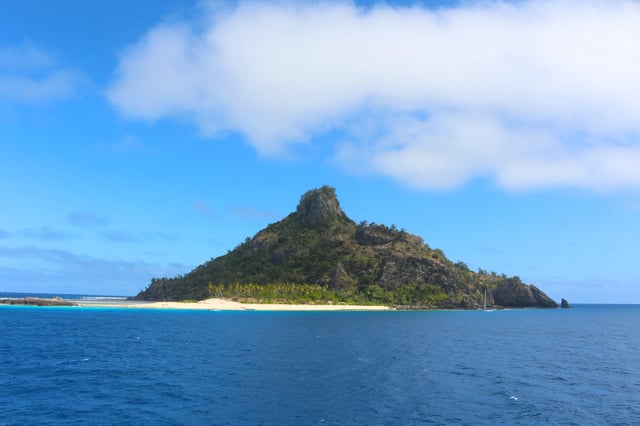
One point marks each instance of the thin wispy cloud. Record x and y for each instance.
(86, 219)
(528, 94)
(26, 57)
(30, 74)
(121, 237)
(203, 208)
(129, 144)
(118, 236)
(46, 233)
(49, 270)
(251, 214)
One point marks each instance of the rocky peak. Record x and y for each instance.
(318, 205)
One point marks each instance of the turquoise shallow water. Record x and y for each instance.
(114, 366)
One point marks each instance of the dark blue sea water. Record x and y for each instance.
(74, 365)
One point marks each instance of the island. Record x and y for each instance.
(318, 256)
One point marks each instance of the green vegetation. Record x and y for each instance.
(418, 295)
(317, 254)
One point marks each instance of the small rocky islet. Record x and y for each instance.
(38, 301)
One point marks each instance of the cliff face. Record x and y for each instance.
(515, 294)
(319, 244)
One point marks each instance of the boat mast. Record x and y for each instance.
(485, 299)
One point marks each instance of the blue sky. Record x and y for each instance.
(140, 139)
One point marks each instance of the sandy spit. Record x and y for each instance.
(228, 305)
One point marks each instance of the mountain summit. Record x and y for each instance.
(319, 205)
(319, 253)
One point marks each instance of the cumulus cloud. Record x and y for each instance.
(530, 94)
(30, 75)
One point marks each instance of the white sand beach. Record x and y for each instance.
(229, 305)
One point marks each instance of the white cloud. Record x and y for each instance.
(30, 75)
(532, 93)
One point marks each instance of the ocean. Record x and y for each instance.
(107, 366)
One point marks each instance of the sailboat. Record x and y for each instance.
(485, 302)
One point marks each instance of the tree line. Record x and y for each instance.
(411, 294)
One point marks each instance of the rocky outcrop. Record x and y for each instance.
(564, 304)
(37, 301)
(318, 206)
(370, 236)
(516, 294)
(340, 279)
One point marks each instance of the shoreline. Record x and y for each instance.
(215, 304)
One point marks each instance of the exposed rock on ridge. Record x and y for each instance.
(512, 293)
(318, 205)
